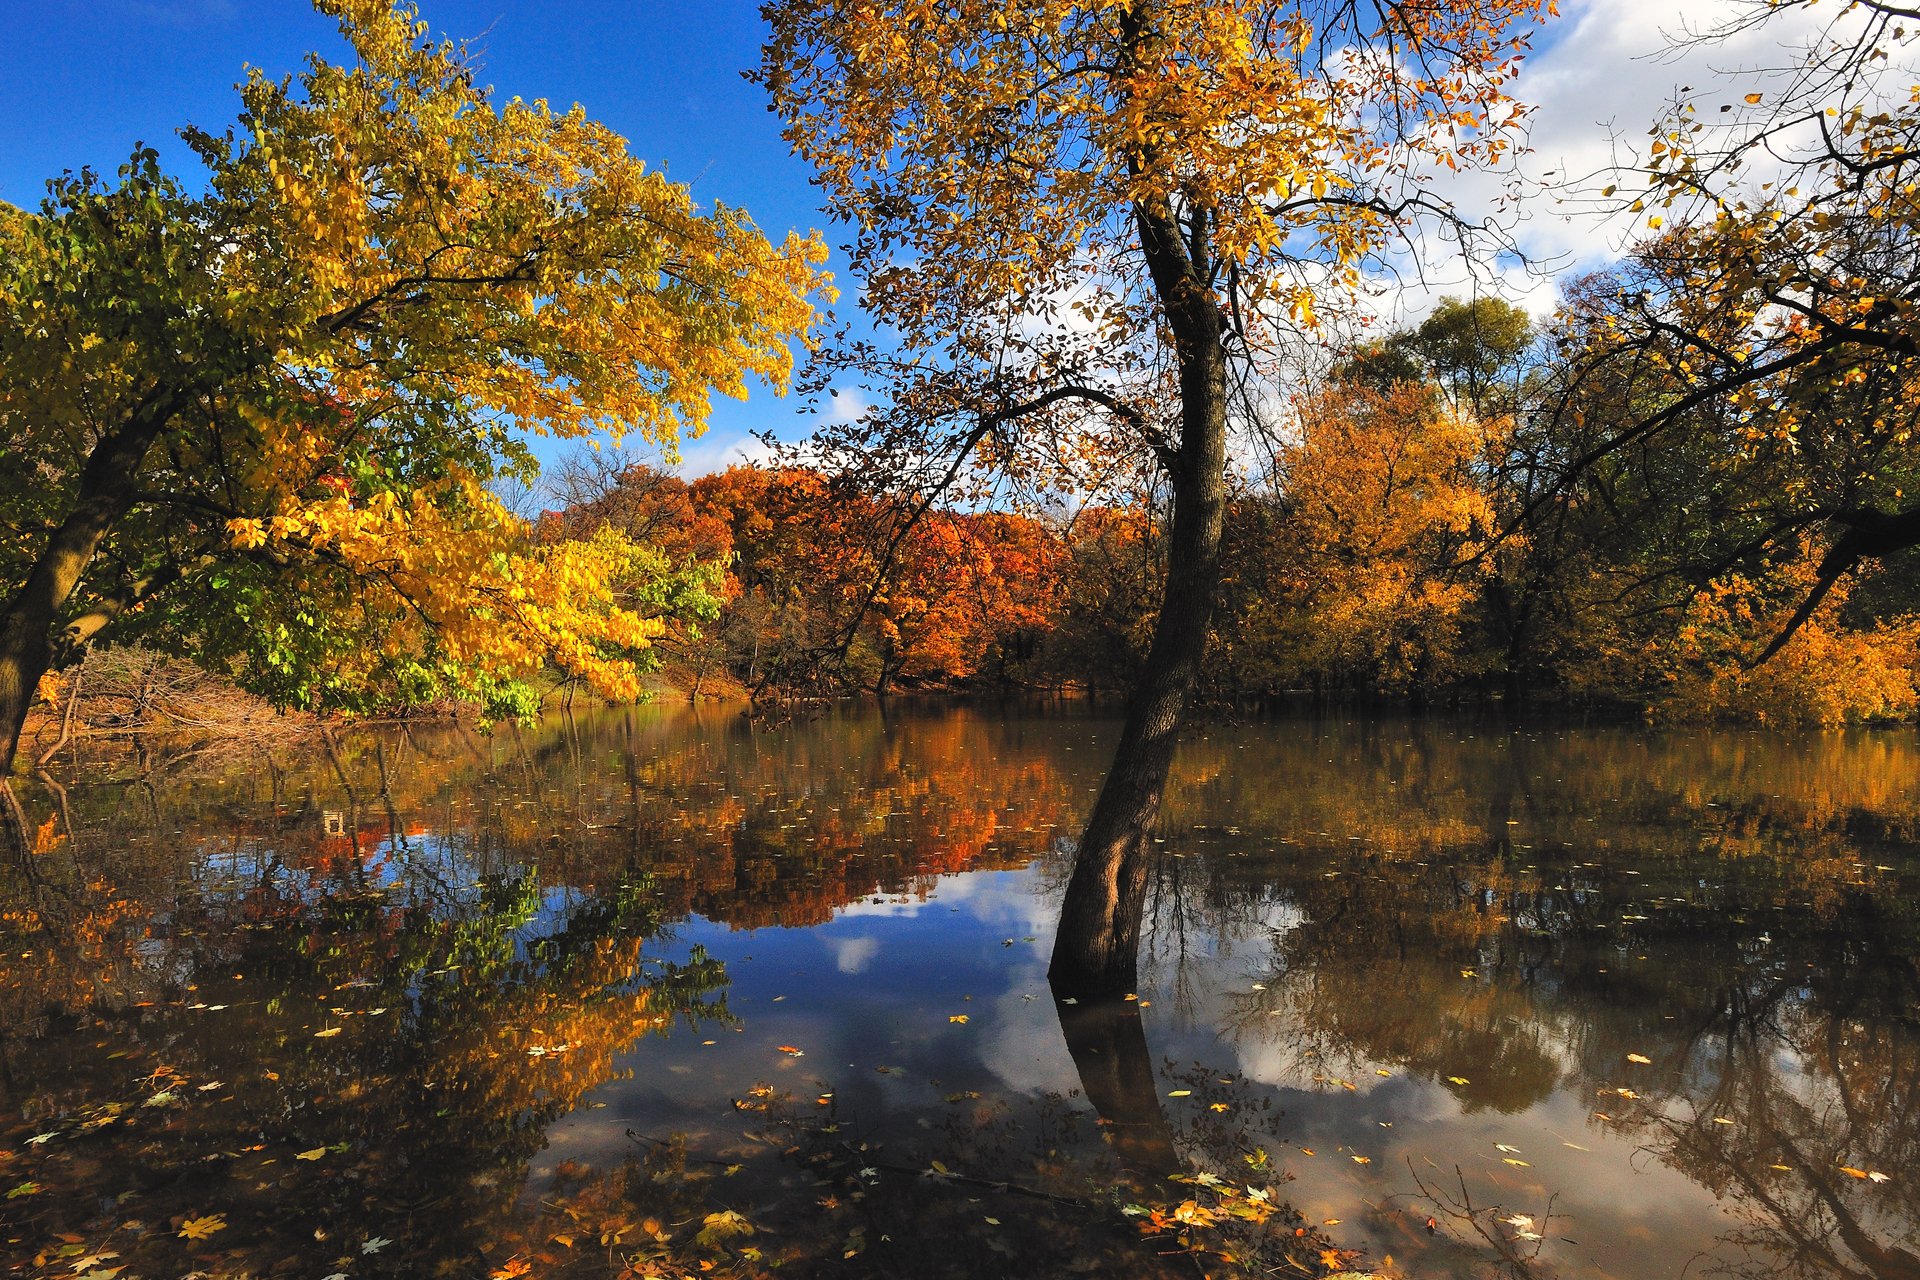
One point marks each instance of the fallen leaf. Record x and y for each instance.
(201, 1228)
(1457, 1080)
(314, 1154)
(789, 1050)
(1180, 1093)
(1518, 1164)
(1640, 1058)
(957, 1017)
(330, 1031)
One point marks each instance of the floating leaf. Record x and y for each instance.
(202, 1228)
(1518, 1164)
(1180, 1093)
(330, 1031)
(957, 1017)
(314, 1154)
(1457, 1080)
(1640, 1058)
(789, 1050)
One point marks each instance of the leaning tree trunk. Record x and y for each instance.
(27, 625)
(1096, 951)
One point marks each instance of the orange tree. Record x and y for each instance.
(1081, 221)
(258, 423)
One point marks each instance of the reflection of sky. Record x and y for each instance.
(878, 986)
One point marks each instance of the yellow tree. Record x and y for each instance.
(1082, 221)
(1752, 367)
(258, 423)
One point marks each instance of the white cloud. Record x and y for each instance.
(853, 955)
(716, 451)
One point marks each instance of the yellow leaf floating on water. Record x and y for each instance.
(1180, 1093)
(1518, 1164)
(1852, 1172)
(957, 1017)
(1457, 1080)
(314, 1154)
(1362, 1160)
(330, 1031)
(1640, 1058)
(201, 1228)
(1219, 1106)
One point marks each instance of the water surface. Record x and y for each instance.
(650, 990)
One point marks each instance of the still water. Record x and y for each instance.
(665, 993)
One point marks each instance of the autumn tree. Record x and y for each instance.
(257, 422)
(1762, 336)
(1386, 514)
(1083, 224)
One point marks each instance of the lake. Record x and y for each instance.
(670, 992)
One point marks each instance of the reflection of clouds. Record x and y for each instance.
(1011, 901)
(1024, 1047)
(853, 955)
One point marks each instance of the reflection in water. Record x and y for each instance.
(391, 1004)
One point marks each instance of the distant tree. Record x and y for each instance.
(257, 424)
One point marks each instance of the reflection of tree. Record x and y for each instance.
(317, 1061)
(1488, 941)
(1109, 1049)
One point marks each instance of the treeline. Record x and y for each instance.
(1402, 532)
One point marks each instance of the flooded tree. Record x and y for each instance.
(1087, 224)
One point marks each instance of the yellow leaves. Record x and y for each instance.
(1000, 164)
(202, 1228)
(957, 1017)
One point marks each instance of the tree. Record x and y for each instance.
(1772, 324)
(1084, 223)
(257, 423)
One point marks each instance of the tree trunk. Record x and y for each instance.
(107, 486)
(1096, 951)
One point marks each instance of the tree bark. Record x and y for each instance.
(29, 622)
(1096, 951)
